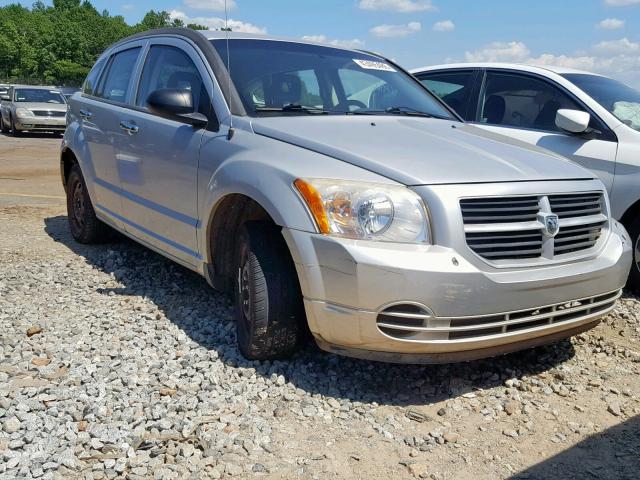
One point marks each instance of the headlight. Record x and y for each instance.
(23, 112)
(367, 211)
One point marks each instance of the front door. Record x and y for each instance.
(524, 107)
(158, 157)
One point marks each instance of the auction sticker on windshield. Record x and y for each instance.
(373, 65)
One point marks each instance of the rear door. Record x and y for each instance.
(104, 99)
(158, 157)
(454, 87)
(524, 106)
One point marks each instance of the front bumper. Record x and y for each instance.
(347, 284)
(47, 124)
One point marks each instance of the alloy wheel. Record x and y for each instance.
(636, 253)
(245, 291)
(78, 205)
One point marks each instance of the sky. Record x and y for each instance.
(595, 35)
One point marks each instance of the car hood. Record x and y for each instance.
(421, 151)
(53, 107)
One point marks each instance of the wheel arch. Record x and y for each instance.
(632, 212)
(67, 160)
(230, 212)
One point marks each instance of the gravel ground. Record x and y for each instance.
(116, 363)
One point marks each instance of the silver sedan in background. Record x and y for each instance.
(32, 108)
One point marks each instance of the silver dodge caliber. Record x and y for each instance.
(331, 192)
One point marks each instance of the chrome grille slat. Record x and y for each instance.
(559, 206)
(573, 246)
(511, 228)
(488, 218)
(498, 209)
(593, 236)
(511, 253)
(581, 212)
(481, 246)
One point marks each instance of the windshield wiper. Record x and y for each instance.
(410, 112)
(294, 108)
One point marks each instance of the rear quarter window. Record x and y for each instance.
(91, 82)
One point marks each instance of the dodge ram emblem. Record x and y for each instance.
(551, 226)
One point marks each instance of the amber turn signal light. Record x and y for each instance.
(314, 202)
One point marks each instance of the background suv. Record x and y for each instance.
(32, 108)
(328, 190)
(588, 118)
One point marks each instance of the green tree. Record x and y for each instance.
(59, 44)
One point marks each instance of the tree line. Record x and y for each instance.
(57, 45)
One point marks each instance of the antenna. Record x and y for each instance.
(226, 31)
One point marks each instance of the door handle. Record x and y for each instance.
(86, 114)
(129, 127)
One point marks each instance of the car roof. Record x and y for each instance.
(222, 35)
(512, 66)
(37, 87)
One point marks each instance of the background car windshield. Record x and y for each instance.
(270, 75)
(36, 95)
(619, 99)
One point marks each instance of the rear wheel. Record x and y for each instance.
(634, 277)
(3, 127)
(269, 308)
(83, 223)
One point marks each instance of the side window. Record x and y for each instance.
(521, 101)
(115, 83)
(453, 88)
(91, 82)
(170, 67)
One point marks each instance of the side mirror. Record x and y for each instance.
(175, 104)
(572, 121)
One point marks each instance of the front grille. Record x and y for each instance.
(404, 322)
(505, 245)
(49, 113)
(574, 239)
(499, 210)
(576, 205)
(513, 228)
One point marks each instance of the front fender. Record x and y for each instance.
(267, 185)
(264, 170)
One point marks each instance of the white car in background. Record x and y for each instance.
(588, 118)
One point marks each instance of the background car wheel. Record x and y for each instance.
(14, 131)
(269, 308)
(83, 223)
(3, 127)
(634, 277)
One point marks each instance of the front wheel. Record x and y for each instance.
(269, 308)
(634, 277)
(14, 131)
(3, 127)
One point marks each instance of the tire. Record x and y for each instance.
(269, 308)
(83, 223)
(3, 127)
(634, 277)
(14, 131)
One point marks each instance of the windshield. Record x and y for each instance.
(38, 95)
(284, 78)
(619, 99)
